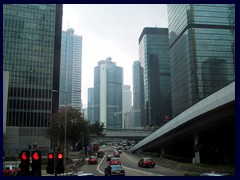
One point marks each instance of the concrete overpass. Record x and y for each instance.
(116, 135)
(205, 132)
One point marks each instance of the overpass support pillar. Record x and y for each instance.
(196, 159)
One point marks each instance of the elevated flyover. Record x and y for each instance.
(124, 134)
(205, 132)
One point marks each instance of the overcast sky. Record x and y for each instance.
(111, 30)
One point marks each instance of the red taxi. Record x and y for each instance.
(92, 160)
(114, 161)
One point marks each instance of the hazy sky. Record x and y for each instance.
(111, 30)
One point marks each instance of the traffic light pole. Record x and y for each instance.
(55, 162)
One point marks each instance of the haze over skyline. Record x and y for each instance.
(111, 30)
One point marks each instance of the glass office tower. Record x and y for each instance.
(71, 70)
(90, 106)
(108, 89)
(31, 54)
(154, 59)
(138, 96)
(202, 51)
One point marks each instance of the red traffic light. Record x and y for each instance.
(35, 156)
(60, 156)
(167, 117)
(24, 156)
(50, 156)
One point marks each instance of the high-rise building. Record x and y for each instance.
(127, 98)
(202, 51)
(138, 96)
(127, 102)
(31, 55)
(108, 87)
(154, 59)
(71, 70)
(90, 107)
(5, 99)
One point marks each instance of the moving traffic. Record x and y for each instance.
(125, 164)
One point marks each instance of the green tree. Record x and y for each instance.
(78, 132)
(96, 130)
(76, 128)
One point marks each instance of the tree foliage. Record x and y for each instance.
(76, 127)
(96, 130)
(78, 131)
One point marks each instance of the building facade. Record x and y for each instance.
(108, 87)
(31, 54)
(202, 51)
(127, 102)
(90, 107)
(71, 70)
(5, 99)
(154, 59)
(138, 96)
(127, 98)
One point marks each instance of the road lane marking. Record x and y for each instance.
(141, 171)
(100, 164)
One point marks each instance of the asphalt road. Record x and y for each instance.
(129, 163)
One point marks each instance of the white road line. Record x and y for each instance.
(100, 164)
(126, 167)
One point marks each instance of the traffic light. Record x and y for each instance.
(25, 161)
(50, 165)
(36, 163)
(60, 166)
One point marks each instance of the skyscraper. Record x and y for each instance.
(127, 98)
(108, 86)
(138, 95)
(71, 69)
(127, 103)
(202, 51)
(31, 54)
(90, 108)
(154, 59)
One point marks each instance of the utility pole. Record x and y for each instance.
(55, 161)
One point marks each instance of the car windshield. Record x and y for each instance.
(114, 159)
(148, 160)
